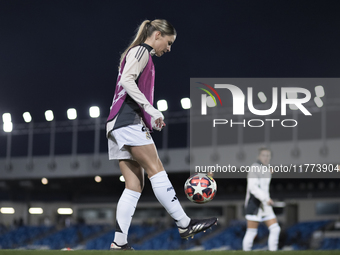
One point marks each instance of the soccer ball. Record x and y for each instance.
(200, 188)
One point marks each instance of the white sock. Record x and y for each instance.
(125, 209)
(248, 239)
(273, 239)
(166, 195)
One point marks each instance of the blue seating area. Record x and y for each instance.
(69, 237)
(262, 232)
(88, 230)
(298, 235)
(136, 233)
(21, 236)
(231, 236)
(164, 241)
(101, 243)
(169, 239)
(330, 244)
(3, 229)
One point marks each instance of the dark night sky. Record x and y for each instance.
(61, 54)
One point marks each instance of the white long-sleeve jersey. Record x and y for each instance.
(258, 181)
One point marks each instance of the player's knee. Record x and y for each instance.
(152, 172)
(252, 232)
(154, 168)
(138, 187)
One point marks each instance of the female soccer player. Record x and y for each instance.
(258, 203)
(131, 118)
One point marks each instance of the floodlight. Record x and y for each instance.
(27, 117)
(65, 211)
(94, 112)
(71, 114)
(186, 103)
(293, 107)
(318, 102)
(8, 127)
(262, 97)
(121, 178)
(35, 210)
(292, 95)
(98, 178)
(49, 115)
(6, 117)
(211, 101)
(162, 105)
(319, 91)
(7, 210)
(44, 181)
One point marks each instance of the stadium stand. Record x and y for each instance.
(151, 237)
(22, 235)
(300, 234)
(136, 233)
(69, 237)
(330, 244)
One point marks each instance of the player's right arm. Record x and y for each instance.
(136, 60)
(253, 181)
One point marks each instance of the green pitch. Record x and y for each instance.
(86, 252)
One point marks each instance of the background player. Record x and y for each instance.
(258, 204)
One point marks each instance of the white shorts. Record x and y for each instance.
(132, 135)
(264, 214)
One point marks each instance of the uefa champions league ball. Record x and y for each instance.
(200, 188)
